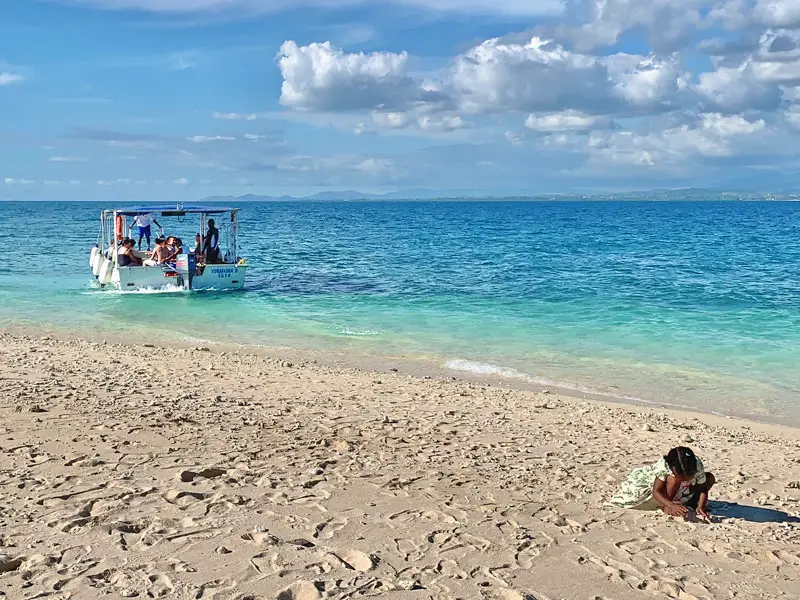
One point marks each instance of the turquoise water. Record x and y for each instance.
(694, 304)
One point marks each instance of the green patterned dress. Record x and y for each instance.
(637, 490)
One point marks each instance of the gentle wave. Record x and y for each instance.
(196, 340)
(165, 289)
(358, 332)
(488, 370)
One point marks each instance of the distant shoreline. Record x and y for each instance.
(476, 199)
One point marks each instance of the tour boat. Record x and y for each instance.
(219, 268)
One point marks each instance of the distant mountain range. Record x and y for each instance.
(418, 194)
(695, 194)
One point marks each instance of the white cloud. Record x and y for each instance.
(107, 182)
(514, 137)
(9, 78)
(67, 159)
(181, 181)
(321, 77)
(12, 181)
(391, 120)
(735, 89)
(378, 167)
(778, 13)
(646, 81)
(200, 139)
(569, 120)
(412, 122)
(666, 23)
(757, 79)
(232, 116)
(777, 60)
(444, 124)
(535, 76)
(711, 135)
(492, 77)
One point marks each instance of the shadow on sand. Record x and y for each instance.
(754, 514)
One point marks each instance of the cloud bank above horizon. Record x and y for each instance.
(557, 96)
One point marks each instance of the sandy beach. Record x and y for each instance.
(192, 473)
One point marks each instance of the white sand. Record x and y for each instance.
(148, 472)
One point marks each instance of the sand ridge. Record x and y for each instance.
(227, 475)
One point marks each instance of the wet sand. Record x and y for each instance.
(136, 471)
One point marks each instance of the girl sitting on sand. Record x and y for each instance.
(674, 484)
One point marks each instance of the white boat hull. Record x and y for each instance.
(213, 277)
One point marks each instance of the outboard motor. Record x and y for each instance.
(186, 266)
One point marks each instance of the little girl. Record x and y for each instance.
(674, 484)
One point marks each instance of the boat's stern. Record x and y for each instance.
(220, 277)
(210, 277)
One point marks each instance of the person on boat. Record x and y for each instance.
(175, 247)
(675, 484)
(160, 254)
(126, 257)
(211, 243)
(142, 222)
(198, 249)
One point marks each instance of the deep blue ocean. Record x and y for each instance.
(692, 304)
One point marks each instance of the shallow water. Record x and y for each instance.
(695, 304)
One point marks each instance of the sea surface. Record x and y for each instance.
(689, 304)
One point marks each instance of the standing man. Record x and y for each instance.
(142, 222)
(211, 243)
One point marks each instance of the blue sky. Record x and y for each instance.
(182, 99)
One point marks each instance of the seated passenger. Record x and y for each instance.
(175, 247)
(198, 249)
(126, 257)
(160, 254)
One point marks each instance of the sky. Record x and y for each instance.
(185, 99)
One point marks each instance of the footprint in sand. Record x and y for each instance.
(356, 560)
(450, 568)
(300, 590)
(329, 528)
(160, 585)
(782, 557)
(262, 538)
(212, 588)
(526, 554)
(408, 550)
(188, 476)
(9, 564)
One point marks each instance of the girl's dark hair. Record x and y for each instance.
(682, 461)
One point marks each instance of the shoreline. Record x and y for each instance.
(141, 471)
(415, 368)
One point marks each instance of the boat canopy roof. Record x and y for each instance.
(172, 209)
